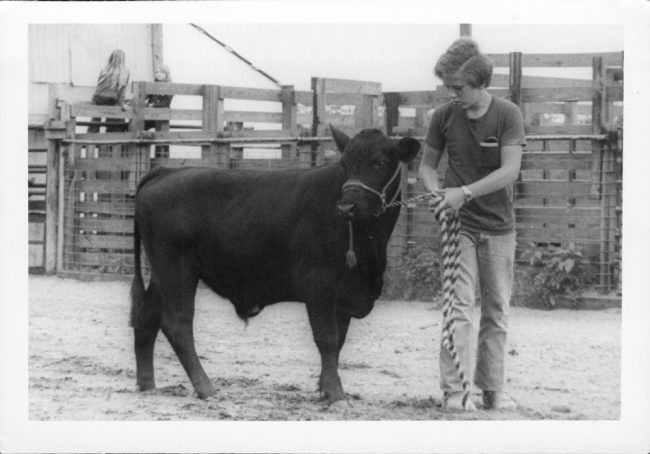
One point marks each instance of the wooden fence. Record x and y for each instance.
(569, 187)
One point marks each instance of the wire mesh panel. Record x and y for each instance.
(100, 183)
(567, 195)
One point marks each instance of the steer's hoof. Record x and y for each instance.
(146, 386)
(205, 394)
(339, 405)
(334, 397)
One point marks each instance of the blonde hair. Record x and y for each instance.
(115, 74)
(164, 69)
(464, 57)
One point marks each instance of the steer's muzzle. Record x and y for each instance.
(346, 209)
(359, 201)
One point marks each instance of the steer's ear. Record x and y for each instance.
(407, 149)
(340, 138)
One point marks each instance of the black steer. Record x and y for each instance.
(261, 237)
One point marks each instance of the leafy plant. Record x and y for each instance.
(417, 277)
(563, 271)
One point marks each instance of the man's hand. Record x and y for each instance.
(454, 198)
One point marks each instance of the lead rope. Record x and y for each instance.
(449, 233)
(449, 237)
(350, 257)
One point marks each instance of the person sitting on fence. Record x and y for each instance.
(111, 90)
(162, 75)
(483, 136)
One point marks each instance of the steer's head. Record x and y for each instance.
(371, 161)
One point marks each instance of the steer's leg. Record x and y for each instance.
(179, 289)
(145, 328)
(343, 323)
(325, 329)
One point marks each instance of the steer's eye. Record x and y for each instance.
(381, 163)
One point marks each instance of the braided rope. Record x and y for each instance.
(450, 233)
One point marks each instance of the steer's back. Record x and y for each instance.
(243, 231)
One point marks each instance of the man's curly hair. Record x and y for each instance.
(463, 57)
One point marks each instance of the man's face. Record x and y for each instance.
(462, 94)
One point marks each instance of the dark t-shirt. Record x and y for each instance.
(474, 150)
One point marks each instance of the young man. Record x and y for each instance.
(483, 137)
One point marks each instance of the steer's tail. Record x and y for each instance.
(137, 287)
(143, 315)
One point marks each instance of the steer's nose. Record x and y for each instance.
(346, 209)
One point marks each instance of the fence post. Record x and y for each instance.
(515, 96)
(289, 120)
(289, 109)
(607, 210)
(137, 104)
(52, 182)
(515, 78)
(600, 167)
(318, 109)
(391, 117)
(51, 204)
(378, 112)
(66, 208)
(139, 154)
(212, 125)
(318, 91)
(597, 100)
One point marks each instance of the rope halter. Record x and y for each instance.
(356, 183)
(350, 256)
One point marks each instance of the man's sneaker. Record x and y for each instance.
(454, 402)
(497, 400)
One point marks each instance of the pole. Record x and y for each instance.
(234, 52)
(466, 30)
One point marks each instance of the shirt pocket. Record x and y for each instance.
(490, 156)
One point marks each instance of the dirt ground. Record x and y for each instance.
(562, 364)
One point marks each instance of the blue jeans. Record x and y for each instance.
(486, 260)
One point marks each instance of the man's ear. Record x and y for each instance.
(407, 149)
(340, 138)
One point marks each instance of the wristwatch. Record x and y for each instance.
(467, 194)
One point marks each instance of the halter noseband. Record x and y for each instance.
(382, 195)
